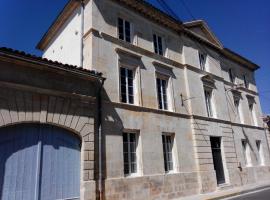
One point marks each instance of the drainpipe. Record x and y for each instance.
(100, 145)
(82, 31)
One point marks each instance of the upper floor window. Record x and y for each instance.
(236, 102)
(158, 44)
(202, 59)
(251, 111)
(231, 75)
(130, 153)
(245, 81)
(246, 152)
(208, 101)
(162, 92)
(260, 152)
(124, 30)
(167, 142)
(127, 85)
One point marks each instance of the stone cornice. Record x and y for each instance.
(177, 114)
(168, 61)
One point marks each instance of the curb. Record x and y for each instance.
(238, 193)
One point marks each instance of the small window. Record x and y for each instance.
(251, 112)
(231, 75)
(236, 102)
(127, 85)
(158, 44)
(260, 152)
(208, 102)
(167, 142)
(124, 30)
(130, 153)
(202, 59)
(246, 153)
(245, 81)
(162, 93)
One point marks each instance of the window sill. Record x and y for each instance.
(135, 175)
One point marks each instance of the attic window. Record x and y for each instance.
(202, 59)
(231, 75)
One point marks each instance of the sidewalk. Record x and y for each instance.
(220, 194)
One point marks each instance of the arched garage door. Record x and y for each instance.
(39, 162)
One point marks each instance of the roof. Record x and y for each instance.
(21, 55)
(205, 31)
(207, 36)
(141, 6)
(149, 11)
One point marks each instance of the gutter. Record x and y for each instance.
(82, 31)
(100, 144)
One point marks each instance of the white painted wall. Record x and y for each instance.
(65, 47)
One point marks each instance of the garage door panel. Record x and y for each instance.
(18, 162)
(60, 165)
(39, 162)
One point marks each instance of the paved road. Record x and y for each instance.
(260, 195)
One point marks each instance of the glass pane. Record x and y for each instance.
(125, 157)
(120, 29)
(124, 98)
(126, 168)
(130, 74)
(133, 157)
(132, 137)
(160, 49)
(155, 43)
(127, 31)
(125, 137)
(131, 99)
(133, 168)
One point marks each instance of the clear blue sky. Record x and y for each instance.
(241, 25)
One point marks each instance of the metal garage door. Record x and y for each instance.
(39, 162)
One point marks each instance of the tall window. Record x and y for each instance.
(245, 81)
(130, 153)
(162, 93)
(231, 75)
(246, 152)
(260, 152)
(208, 102)
(127, 85)
(202, 59)
(167, 141)
(124, 30)
(158, 46)
(236, 101)
(251, 112)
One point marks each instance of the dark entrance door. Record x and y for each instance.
(217, 159)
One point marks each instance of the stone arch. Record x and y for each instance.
(67, 111)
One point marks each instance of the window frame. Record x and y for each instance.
(134, 84)
(246, 152)
(168, 89)
(202, 62)
(124, 30)
(162, 40)
(168, 168)
(246, 82)
(260, 152)
(231, 75)
(136, 136)
(209, 102)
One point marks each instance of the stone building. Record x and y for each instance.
(180, 113)
(48, 117)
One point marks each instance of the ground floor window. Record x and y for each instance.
(130, 153)
(167, 142)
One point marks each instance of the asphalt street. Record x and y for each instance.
(256, 195)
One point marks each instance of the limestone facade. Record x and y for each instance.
(186, 118)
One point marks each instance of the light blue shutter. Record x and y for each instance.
(18, 162)
(39, 162)
(60, 177)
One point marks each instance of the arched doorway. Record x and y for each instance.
(39, 162)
